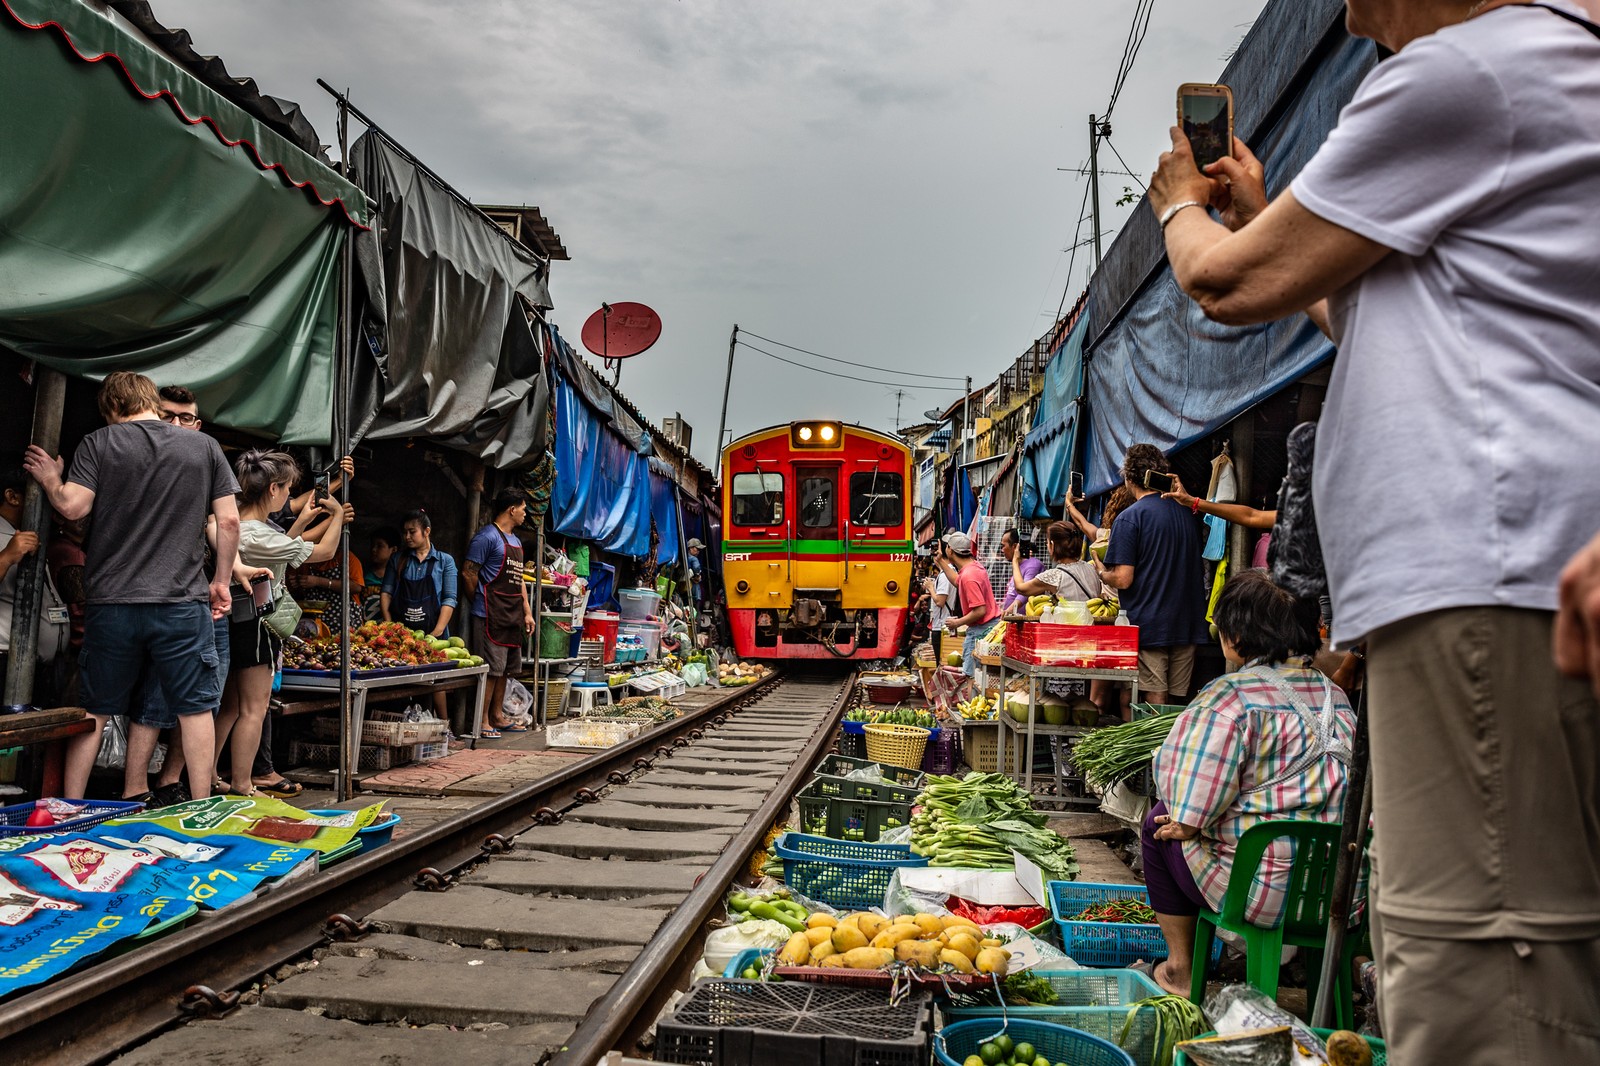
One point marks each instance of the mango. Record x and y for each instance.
(993, 960)
(867, 958)
(929, 924)
(991, 942)
(872, 924)
(951, 920)
(797, 952)
(834, 960)
(894, 934)
(848, 938)
(953, 958)
(820, 919)
(918, 953)
(821, 952)
(819, 935)
(965, 944)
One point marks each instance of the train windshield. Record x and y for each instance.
(757, 499)
(877, 498)
(814, 501)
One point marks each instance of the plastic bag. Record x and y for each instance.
(518, 699)
(1240, 1008)
(694, 675)
(1125, 805)
(871, 773)
(723, 944)
(1253, 1047)
(113, 753)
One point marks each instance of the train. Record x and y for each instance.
(816, 542)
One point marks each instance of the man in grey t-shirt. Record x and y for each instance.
(150, 485)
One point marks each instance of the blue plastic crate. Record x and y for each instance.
(841, 873)
(1054, 1042)
(1103, 944)
(14, 819)
(1092, 1001)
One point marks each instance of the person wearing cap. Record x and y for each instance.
(696, 570)
(973, 590)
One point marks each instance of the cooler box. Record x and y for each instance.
(602, 626)
(1091, 647)
(649, 634)
(555, 635)
(638, 604)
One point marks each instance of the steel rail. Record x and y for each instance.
(93, 1015)
(623, 1010)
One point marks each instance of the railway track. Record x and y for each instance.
(550, 924)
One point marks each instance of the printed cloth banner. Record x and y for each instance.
(213, 871)
(259, 818)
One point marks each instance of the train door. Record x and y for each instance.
(817, 513)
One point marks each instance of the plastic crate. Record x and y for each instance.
(370, 756)
(844, 765)
(757, 1023)
(943, 753)
(433, 749)
(592, 732)
(14, 819)
(1052, 644)
(393, 733)
(1104, 944)
(1092, 1001)
(896, 745)
(849, 818)
(636, 605)
(852, 745)
(841, 873)
(1054, 1042)
(1380, 1052)
(980, 748)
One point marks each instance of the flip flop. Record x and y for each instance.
(513, 729)
(282, 789)
(489, 733)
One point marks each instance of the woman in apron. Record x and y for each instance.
(1270, 741)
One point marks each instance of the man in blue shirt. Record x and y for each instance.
(696, 570)
(1154, 558)
(499, 617)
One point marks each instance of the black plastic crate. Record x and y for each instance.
(756, 1023)
(837, 767)
(852, 745)
(847, 818)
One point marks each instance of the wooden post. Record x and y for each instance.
(49, 399)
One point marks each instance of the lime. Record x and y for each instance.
(750, 973)
(1023, 1054)
(1041, 1061)
(973, 1060)
(1003, 1042)
(990, 1054)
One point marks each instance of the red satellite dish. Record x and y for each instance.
(620, 330)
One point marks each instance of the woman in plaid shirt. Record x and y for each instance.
(1269, 741)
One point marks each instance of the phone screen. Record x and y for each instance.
(261, 593)
(1077, 484)
(1158, 482)
(1208, 125)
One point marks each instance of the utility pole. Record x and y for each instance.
(1094, 184)
(727, 383)
(966, 424)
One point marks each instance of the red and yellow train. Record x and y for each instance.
(816, 527)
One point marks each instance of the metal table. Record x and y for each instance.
(360, 687)
(1022, 736)
(541, 684)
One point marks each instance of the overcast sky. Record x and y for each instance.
(876, 181)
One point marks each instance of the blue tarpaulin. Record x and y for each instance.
(664, 509)
(1047, 449)
(602, 486)
(1159, 370)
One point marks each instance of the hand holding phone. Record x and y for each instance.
(1206, 114)
(1157, 481)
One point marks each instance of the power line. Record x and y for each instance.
(1130, 51)
(1124, 162)
(1076, 244)
(847, 362)
(848, 377)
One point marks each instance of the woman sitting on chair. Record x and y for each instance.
(1269, 741)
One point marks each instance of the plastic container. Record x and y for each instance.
(841, 873)
(943, 754)
(841, 766)
(1114, 944)
(602, 626)
(1380, 1053)
(648, 634)
(897, 745)
(852, 745)
(592, 732)
(1086, 647)
(759, 1023)
(889, 692)
(848, 818)
(14, 819)
(980, 747)
(638, 605)
(1054, 1042)
(555, 634)
(1092, 1001)
(375, 835)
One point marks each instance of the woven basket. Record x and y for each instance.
(897, 745)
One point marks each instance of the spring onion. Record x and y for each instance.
(1177, 1020)
(1111, 755)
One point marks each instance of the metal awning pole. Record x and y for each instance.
(538, 620)
(348, 757)
(49, 398)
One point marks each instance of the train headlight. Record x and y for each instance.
(818, 435)
(891, 587)
(826, 432)
(805, 433)
(742, 587)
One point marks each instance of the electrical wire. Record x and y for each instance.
(1124, 162)
(863, 366)
(848, 377)
(1130, 51)
(1076, 244)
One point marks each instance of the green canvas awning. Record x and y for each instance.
(147, 223)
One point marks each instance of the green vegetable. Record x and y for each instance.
(1177, 1020)
(1111, 755)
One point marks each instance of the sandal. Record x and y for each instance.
(513, 729)
(281, 789)
(489, 732)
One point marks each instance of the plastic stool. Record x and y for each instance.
(588, 695)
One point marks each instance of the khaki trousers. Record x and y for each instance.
(1486, 783)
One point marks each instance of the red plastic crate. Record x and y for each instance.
(1095, 647)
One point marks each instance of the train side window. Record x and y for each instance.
(877, 498)
(757, 499)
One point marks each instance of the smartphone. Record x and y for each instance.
(321, 492)
(258, 601)
(1206, 114)
(1157, 481)
(1075, 485)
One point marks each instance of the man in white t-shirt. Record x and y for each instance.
(1445, 237)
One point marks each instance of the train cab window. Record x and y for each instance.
(819, 518)
(877, 498)
(758, 499)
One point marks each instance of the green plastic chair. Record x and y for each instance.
(1305, 914)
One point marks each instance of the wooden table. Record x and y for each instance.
(49, 727)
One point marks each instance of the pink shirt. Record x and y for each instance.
(972, 587)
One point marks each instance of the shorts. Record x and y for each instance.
(171, 643)
(969, 645)
(1169, 670)
(149, 707)
(503, 661)
(253, 644)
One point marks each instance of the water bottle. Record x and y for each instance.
(1123, 619)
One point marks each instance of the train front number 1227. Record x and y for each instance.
(900, 557)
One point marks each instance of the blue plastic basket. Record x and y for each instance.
(375, 835)
(1107, 943)
(1054, 1042)
(746, 958)
(1092, 1001)
(14, 819)
(841, 873)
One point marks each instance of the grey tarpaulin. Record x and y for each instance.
(447, 351)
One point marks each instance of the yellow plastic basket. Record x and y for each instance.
(897, 745)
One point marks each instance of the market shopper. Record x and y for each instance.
(1068, 577)
(384, 545)
(265, 480)
(1268, 741)
(697, 569)
(16, 545)
(499, 616)
(972, 587)
(1154, 561)
(150, 486)
(1454, 263)
(420, 587)
(1023, 565)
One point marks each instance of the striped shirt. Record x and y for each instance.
(1239, 734)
